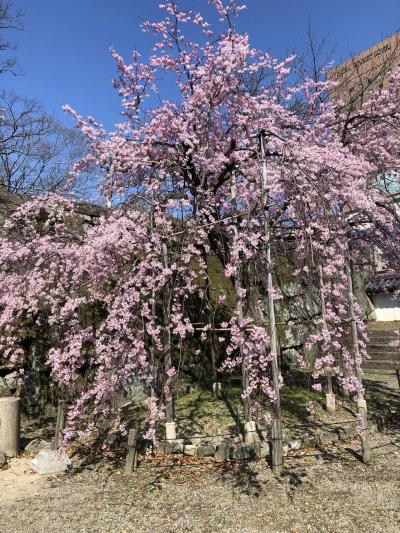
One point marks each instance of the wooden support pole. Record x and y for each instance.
(131, 456)
(60, 425)
(361, 403)
(154, 385)
(398, 375)
(276, 448)
(277, 445)
(110, 181)
(169, 410)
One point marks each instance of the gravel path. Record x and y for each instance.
(325, 494)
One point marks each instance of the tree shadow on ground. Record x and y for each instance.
(190, 423)
(242, 476)
(234, 412)
(295, 480)
(383, 403)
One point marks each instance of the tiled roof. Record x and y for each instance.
(388, 282)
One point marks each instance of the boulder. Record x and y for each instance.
(50, 462)
(36, 445)
(3, 460)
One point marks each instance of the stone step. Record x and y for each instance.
(389, 372)
(381, 364)
(390, 356)
(391, 393)
(385, 337)
(382, 346)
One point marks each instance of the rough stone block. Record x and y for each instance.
(295, 444)
(309, 441)
(173, 446)
(206, 451)
(263, 450)
(347, 432)
(189, 449)
(3, 460)
(225, 452)
(246, 452)
(50, 462)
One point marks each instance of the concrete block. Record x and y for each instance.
(330, 403)
(189, 449)
(250, 433)
(170, 431)
(9, 425)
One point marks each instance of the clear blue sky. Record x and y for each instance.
(64, 48)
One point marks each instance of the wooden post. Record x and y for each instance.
(361, 403)
(277, 446)
(216, 383)
(169, 411)
(60, 424)
(110, 180)
(131, 456)
(154, 385)
(398, 375)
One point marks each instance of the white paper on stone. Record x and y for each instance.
(50, 462)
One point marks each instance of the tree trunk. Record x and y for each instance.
(330, 402)
(239, 307)
(361, 403)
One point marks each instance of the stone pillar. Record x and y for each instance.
(330, 403)
(250, 433)
(9, 425)
(217, 390)
(170, 431)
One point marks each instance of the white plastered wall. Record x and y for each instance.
(386, 308)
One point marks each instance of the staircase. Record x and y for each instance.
(383, 357)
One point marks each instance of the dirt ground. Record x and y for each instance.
(331, 491)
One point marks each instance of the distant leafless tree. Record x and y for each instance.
(314, 58)
(36, 152)
(9, 20)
